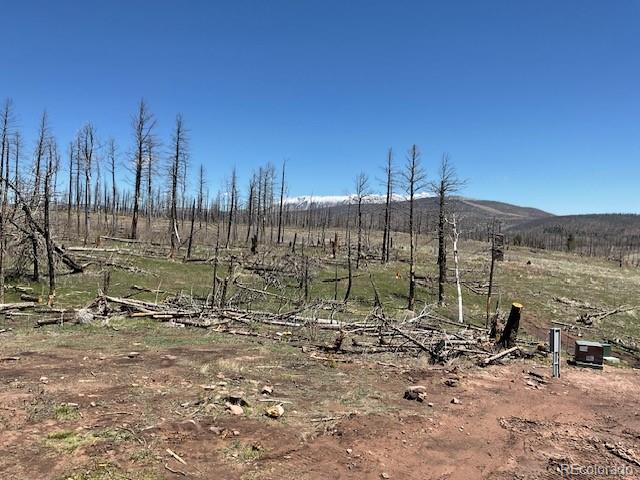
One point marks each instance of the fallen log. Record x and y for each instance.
(17, 306)
(498, 356)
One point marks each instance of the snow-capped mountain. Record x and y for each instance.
(304, 201)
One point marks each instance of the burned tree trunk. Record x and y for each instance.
(510, 332)
(350, 279)
(193, 220)
(387, 205)
(4, 185)
(362, 187)
(280, 225)
(47, 226)
(414, 177)
(178, 159)
(143, 132)
(447, 184)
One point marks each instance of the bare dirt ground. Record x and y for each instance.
(81, 404)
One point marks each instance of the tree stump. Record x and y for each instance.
(510, 332)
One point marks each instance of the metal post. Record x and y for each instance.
(555, 341)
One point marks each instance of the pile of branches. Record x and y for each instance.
(314, 327)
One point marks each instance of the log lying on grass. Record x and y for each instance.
(17, 306)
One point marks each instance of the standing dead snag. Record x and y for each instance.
(494, 251)
(47, 222)
(87, 140)
(4, 185)
(510, 332)
(43, 136)
(214, 282)
(414, 178)
(447, 184)
(455, 238)
(233, 193)
(280, 233)
(143, 126)
(193, 220)
(177, 164)
(386, 234)
(350, 278)
(111, 154)
(362, 190)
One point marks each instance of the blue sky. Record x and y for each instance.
(537, 103)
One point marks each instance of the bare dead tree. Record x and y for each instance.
(87, 135)
(176, 165)
(282, 187)
(6, 118)
(233, 187)
(193, 221)
(151, 171)
(414, 178)
(214, 282)
(201, 187)
(347, 293)
(112, 155)
(447, 183)
(50, 170)
(39, 154)
(70, 193)
(362, 191)
(250, 211)
(455, 237)
(143, 125)
(386, 237)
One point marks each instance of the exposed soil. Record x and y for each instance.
(343, 420)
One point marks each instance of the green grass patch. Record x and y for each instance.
(65, 412)
(68, 440)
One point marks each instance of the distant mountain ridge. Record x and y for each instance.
(475, 214)
(601, 224)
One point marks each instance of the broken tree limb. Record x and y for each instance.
(498, 356)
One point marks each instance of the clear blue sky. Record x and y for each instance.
(537, 102)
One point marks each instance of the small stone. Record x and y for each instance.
(430, 404)
(236, 433)
(349, 451)
(267, 390)
(235, 409)
(237, 399)
(133, 354)
(455, 401)
(416, 392)
(417, 388)
(384, 475)
(451, 382)
(275, 412)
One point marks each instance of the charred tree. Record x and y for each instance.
(143, 125)
(447, 183)
(362, 190)
(387, 208)
(414, 178)
(176, 164)
(282, 186)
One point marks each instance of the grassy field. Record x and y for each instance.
(95, 402)
(535, 278)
